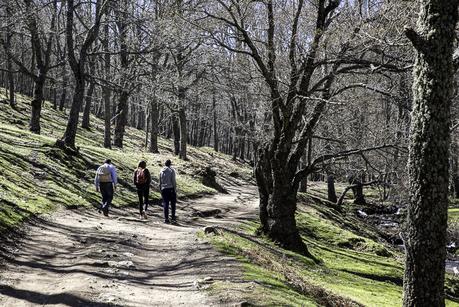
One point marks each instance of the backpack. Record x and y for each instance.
(141, 177)
(104, 174)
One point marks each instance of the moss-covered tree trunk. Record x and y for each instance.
(429, 151)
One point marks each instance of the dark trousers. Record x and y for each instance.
(143, 192)
(106, 189)
(169, 197)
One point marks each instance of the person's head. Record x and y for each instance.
(168, 163)
(108, 161)
(142, 164)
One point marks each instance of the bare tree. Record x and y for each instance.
(77, 64)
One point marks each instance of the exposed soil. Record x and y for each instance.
(80, 258)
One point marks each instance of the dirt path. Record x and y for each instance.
(80, 258)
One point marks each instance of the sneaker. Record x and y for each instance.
(144, 214)
(167, 222)
(105, 213)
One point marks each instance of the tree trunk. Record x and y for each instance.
(425, 237)
(37, 104)
(154, 126)
(121, 119)
(357, 190)
(9, 63)
(87, 107)
(183, 134)
(176, 131)
(331, 189)
(277, 204)
(72, 124)
(107, 117)
(106, 90)
(63, 99)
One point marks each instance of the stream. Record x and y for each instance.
(387, 220)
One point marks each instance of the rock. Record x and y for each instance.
(235, 175)
(243, 304)
(210, 229)
(207, 279)
(134, 236)
(208, 179)
(129, 255)
(361, 213)
(206, 213)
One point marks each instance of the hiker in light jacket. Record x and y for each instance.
(142, 180)
(168, 188)
(105, 182)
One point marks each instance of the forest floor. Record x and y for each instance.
(80, 258)
(58, 250)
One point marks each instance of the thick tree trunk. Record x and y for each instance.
(183, 133)
(121, 119)
(277, 205)
(37, 104)
(154, 126)
(357, 190)
(72, 124)
(425, 237)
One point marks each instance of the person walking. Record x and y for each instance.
(142, 180)
(168, 188)
(105, 182)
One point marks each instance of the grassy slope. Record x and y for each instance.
(355, 263)
(35, 177)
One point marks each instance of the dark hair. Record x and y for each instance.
(108, 161)
(168, 162)
(142, 164)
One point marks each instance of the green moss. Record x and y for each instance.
(352, 265)
(453, 215)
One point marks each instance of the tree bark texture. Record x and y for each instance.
(425, 237)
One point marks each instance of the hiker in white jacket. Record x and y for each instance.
(168, 187)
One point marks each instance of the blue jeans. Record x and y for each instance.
(106, 189)
(169, 197)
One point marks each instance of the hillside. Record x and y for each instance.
(356, 265)
(36, 177)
